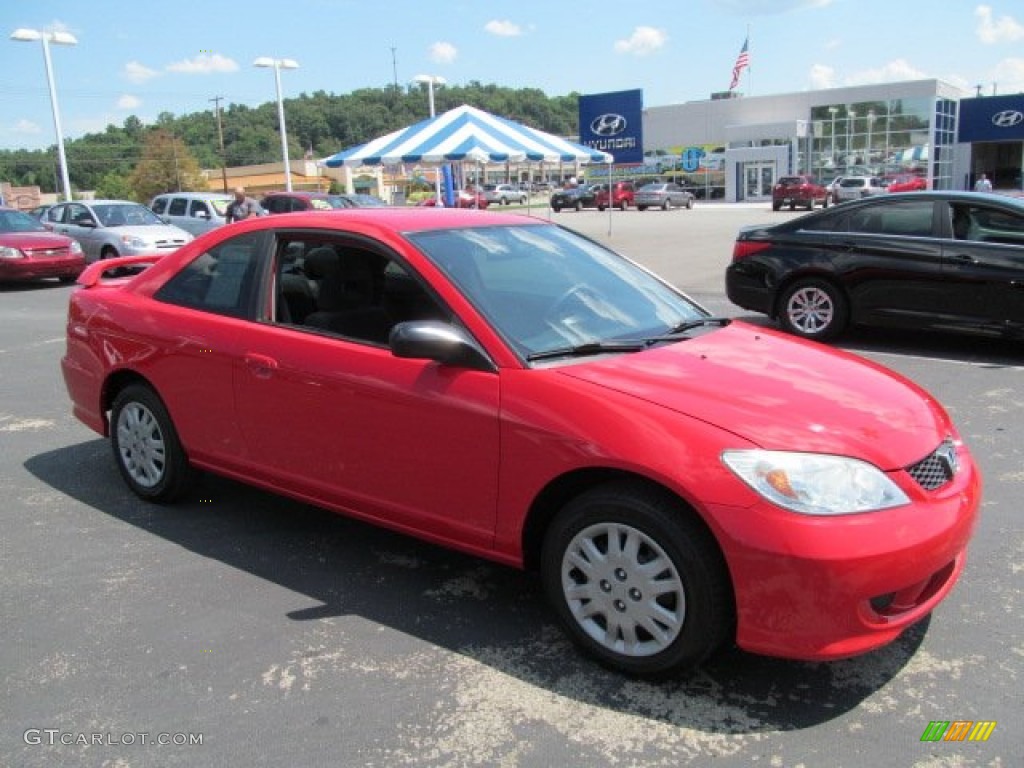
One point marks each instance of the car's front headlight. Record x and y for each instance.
(815, 484)
(10, 253)
(134, 241)
(75, 248)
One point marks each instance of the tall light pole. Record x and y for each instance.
(431, 81)
(832, 111)
(60, 38)
(278, 65)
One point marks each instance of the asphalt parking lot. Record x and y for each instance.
(244, 629)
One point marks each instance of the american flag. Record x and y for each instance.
(743, 60)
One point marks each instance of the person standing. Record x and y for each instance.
(983, 184)
(241, 207)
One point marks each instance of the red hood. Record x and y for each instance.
(34, 241)
(782, 393)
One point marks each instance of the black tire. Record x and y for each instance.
(579, 206)
(624, 205)
(824, 202)
(68, 278)
(556, 208)
(792, 206)
(776, 206)
(601, 208)
(504, 201)
(689, 203)
(146, 447)
(813, 308)
(666, 205)
(641, 207)
(688, 612)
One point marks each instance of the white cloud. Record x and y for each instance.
(1009, 76)
(204, 64)
(503, 28)
(1005, 30)
(127, 101)
(443, 53)
(822, 76)
(643, 41)
(138, 73)
(894, 71)
(27, 127)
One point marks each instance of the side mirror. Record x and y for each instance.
(433, 340)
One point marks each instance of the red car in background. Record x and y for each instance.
(463, 199)
(623, 195)
(29, 251)
(800, 190)
(908, 182)
(504, 386)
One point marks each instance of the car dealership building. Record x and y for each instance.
(735, 147)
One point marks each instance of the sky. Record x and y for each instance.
(137, 60)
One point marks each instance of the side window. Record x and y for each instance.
(905, 219)
(348, 289)
(199, 209)
(988, 225)
(177, 206)
(273, 204)
(79, 214)
(56, 214)
(223, 279)
(159, 205)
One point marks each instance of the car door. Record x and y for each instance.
(78, 222)
(893, 263)
(409, 443)
(984, 260)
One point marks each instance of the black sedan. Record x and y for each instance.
(944, 260)
(577, 198)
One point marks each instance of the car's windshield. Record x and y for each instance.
(653, 188)
(544, 287)
(125, 215)
(16, 221)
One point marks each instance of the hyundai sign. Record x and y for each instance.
(992, 118)
(613, 123)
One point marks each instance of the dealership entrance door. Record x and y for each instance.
(758, 180)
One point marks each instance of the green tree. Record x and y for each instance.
(114, 186)
(166, 165)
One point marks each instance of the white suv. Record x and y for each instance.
(504, 194)
(856, 187)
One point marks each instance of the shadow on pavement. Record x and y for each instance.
(481, 611)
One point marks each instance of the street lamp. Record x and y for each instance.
(60, 38)
(431, 81)
(278, 65)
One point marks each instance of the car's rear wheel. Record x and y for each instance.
(636, 580)
(814, 309)
(776, 206)
(689, 203)
(556, 208)
(579, 206)
(624, 205)
(641, 207)
(666, 205)
(146, 445)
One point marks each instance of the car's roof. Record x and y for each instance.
(399, 219)
(106, 202)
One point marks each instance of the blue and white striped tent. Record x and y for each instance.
(466, 134)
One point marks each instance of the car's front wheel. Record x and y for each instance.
(814, 309)
(636, 580)
(146, 445)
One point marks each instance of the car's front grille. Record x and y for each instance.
(937, 468)
(47, 253)
(170, 243)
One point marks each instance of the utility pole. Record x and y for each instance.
(220, 135)
(394, 69)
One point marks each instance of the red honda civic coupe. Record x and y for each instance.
(503, 386)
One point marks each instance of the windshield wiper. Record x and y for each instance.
(689, 325)
(591, 348)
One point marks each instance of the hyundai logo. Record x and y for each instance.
(608, 125)
(1007, 118)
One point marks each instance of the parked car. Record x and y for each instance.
(623, 195)
(947, 260)
(505, 194)
(29, 251)
(39, 210)
(576, 198)
(363, 200)
(195, 212)
(463, 199)
(664, 196)
(107, 229)
(856, 187)
(288, 202)
(597, 426)
(907, 182)
(802, 190)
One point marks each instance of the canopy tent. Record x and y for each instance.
(466, 134)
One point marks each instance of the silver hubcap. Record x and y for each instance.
(623, 589)
(810, 310)
(141, 444)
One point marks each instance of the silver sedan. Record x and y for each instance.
(663, 195)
